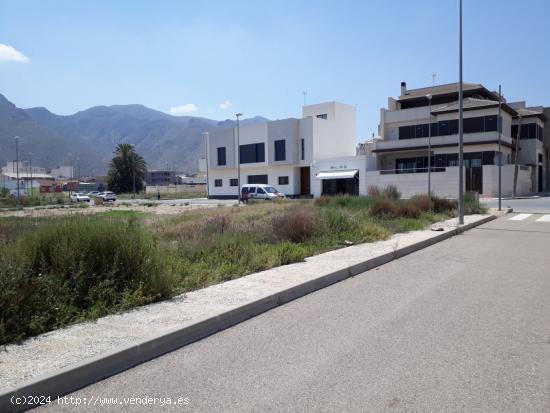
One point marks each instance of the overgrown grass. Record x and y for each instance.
(34, 200)
(64, 270)
(57, 271)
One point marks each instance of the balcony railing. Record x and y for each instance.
(412, 170)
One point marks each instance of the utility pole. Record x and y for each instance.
(460, 130)
(499, 148)
(516, 159)
(239, 159)
(430, 149)
(206, 136)
(17, 166)
(30, 168)
(305, 94)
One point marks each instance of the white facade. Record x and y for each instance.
(402, 148)
(280, 153)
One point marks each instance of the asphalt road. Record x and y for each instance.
(539, 204)
(461, 326)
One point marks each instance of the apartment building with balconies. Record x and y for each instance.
(430, 115)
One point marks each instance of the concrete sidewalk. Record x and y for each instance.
(119, 337)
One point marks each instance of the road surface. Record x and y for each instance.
(463, 325)
(538, 204)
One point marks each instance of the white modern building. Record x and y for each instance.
(288, 154)
(318, 154)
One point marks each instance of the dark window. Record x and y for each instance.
(303, 144)
(322, 116)
(532, 130)
(453, 127)
(406, 132)
(257, 179)
(524, 132)
(540, 133)
(419, 131)
(443, 127)
(514, 131)
(217, 182)
(280, 150)
(452, 159)
(434, 129)
(283, 180)
(440, 160)
(233, 182)
(489, 122)
(221, 157)
(474, 125)
(252, 153)
(488, 157)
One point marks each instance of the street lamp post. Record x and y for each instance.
(499, 148)
(430, 149)
(30, 168)
(17, 166)
(206, 136)
(238, 159)
(460, 129)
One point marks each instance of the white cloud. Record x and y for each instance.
(225, 104)
(184, 109)
(9, 54)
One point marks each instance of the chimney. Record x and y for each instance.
(403, 88)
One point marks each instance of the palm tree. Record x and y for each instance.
(126, 170)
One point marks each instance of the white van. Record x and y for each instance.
(260, 191)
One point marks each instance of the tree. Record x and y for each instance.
(127, 168)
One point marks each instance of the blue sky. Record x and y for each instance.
(215, 58)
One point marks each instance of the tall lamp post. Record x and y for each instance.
(430, 149)
(460, 129)
(499, 126)
(205, 137)
(30, 168)
(17, 165)
(238, 115)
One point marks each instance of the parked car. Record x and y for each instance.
(79, 197)
(13, 193)
(107, 196)
(93, 194)
(260, 191)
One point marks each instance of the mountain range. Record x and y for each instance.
(92, 134)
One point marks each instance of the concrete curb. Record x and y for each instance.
(95, 369)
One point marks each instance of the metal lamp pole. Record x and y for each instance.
(460, 131)
(499, 149)
(238, 159)
(430, 149)
(17, 165)
(30, 167)
(206, 136)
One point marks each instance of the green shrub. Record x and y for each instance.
(384, 208)
(472, 206)
(407, 210)
(442, 205)
(295, 225)
(374, 192)
(76, 268)
(391, 192)
(422, 202)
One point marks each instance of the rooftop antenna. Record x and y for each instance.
(305, 94)
(434, 75)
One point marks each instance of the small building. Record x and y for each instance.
(160, 178)
(282, 153)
